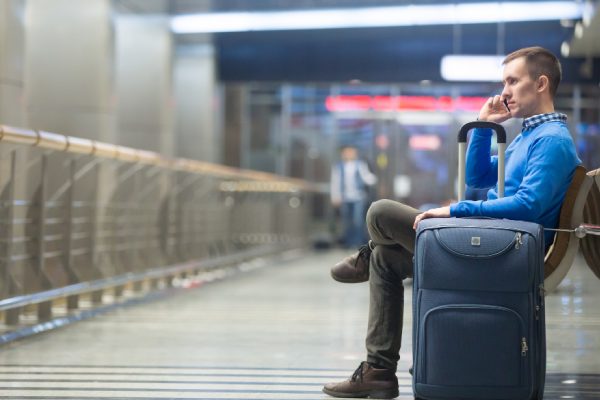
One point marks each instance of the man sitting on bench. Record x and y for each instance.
(539, 166)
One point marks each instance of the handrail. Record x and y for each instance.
(95, 217)
(70, 144)
(161, 272)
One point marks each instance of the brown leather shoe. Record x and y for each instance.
(366, 381)
(355, 268)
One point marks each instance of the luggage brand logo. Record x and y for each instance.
(475, 241)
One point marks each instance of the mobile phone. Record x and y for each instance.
(506, 105)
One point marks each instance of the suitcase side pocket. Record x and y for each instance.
(473, 346)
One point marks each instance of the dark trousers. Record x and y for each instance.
(390, 227)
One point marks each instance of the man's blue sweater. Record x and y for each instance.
(539, 167)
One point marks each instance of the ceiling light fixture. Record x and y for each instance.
(472, 68)
(565, 49)
(368, 17)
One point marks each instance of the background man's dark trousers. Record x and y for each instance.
(353, 223)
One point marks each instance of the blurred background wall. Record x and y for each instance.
(281, 101)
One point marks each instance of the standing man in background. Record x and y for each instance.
(349, 181)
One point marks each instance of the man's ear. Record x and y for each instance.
(543, 83)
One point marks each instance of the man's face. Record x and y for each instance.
(349, 154)
(520, 90)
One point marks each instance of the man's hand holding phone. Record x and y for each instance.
(495, 110)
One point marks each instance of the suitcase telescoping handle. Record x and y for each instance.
(462, 151)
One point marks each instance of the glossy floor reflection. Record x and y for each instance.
(279, 332)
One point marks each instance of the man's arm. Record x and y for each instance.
(542, 184)
(493, 110)
(539, 192)
(482, 167)
(366, 175)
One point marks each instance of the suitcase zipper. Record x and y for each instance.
(524, 347)
(518, 241)
(542, 293)
(518, 235)
(538, 307)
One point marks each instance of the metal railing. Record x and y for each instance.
(80, 217)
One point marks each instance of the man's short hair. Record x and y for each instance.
(539, 61)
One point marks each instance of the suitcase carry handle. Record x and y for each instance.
(462, 151)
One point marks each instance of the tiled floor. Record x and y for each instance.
(279, 332)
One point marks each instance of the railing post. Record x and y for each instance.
(151, 212)
(72, 301)
(180, 207)
(44, 310)
(11, 317)
(164, 223)
(96, 297)
(133, 215)
(165, 226)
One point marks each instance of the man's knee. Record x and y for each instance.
(377, 209)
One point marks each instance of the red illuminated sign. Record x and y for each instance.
(424, 142)
(395, 103)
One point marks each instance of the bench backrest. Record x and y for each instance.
(590, 245)
(561, 254)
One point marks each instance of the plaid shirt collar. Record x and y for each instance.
(536, 120)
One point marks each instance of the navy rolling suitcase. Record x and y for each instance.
(478, 305)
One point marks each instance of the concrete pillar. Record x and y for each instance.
(12, 48)
(68, 67)
(236, 143)
(198, 106)
(144, 83)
